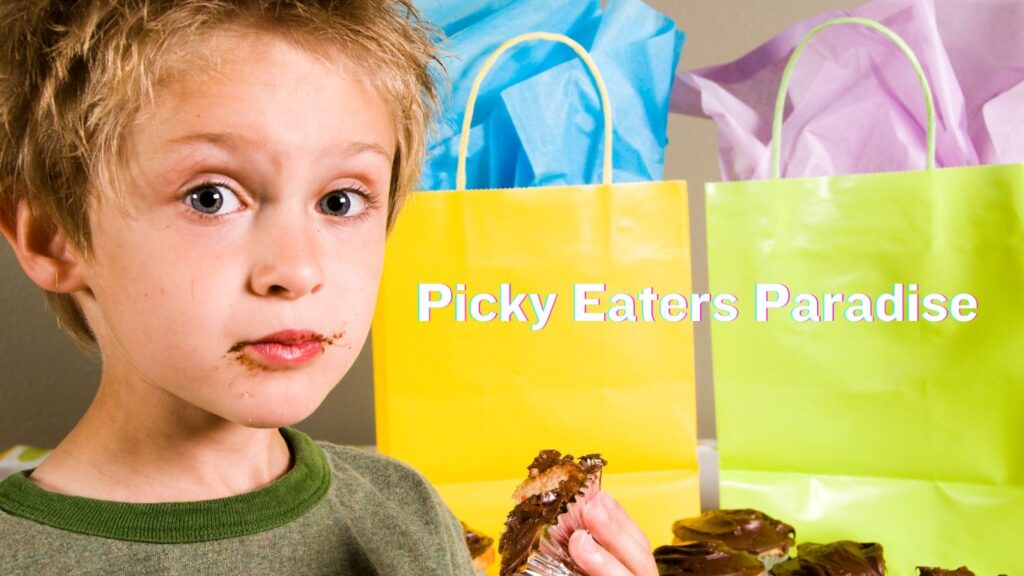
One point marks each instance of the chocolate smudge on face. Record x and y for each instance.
(250, 364)
(238, 353)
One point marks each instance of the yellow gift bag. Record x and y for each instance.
(514, 320)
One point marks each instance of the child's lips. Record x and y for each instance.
(284, 354)
(291, 337)
(284, 348)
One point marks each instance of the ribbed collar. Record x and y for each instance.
(280, 502)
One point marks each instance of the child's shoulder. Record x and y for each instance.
(383, 472)
(363, 478)
(362, 458)
(392, 505)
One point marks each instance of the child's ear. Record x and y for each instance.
(41, 248)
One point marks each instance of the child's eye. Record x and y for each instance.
(213, 199)
(347, 202)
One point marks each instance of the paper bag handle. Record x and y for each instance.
(606, 178)
(780, 100)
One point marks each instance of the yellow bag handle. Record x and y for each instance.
(460, 177)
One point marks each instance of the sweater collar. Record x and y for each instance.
(275, 504)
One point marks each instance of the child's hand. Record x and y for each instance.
(615, 545)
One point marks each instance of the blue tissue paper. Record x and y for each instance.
(538, 120)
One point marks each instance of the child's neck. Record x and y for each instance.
(146, 451)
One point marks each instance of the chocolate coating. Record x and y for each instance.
(961, 571)
(591, 463)
(744, 529)
(842, 558)
(526, 523)
(548, 459)
(707, 558)
(475, 541)
(545, 460)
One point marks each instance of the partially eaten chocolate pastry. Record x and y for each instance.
(706, 558)
(481, 548)
(842, 558)
(744, 529)
(548, 510)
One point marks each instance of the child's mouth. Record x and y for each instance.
(286, 355)
(283, 349)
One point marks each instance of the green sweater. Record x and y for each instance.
(337, 511)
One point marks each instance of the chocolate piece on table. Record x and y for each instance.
(475, 541)
(744, 529)
(707, 558)
(961, 571)
(842, 558)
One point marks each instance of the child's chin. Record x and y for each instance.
(272, 417)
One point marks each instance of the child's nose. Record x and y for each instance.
(288, 261)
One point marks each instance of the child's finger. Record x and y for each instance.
(616, 532)
(592, 558)
(615, 514)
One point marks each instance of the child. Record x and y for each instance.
(203, 190)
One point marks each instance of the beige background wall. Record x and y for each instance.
(46, 384)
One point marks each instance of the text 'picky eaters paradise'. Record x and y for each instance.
(594, 302)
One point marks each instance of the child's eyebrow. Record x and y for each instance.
(230, 141)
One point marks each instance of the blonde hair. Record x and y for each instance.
(74, 75)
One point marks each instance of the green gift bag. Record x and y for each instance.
(893, 419)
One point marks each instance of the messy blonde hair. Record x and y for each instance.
(74, 75)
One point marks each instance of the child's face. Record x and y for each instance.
(258, 196)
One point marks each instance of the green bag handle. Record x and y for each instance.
(780, 100)
(460, 176)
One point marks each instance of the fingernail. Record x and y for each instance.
(587, 543)
(609, 503)
(598, 513)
